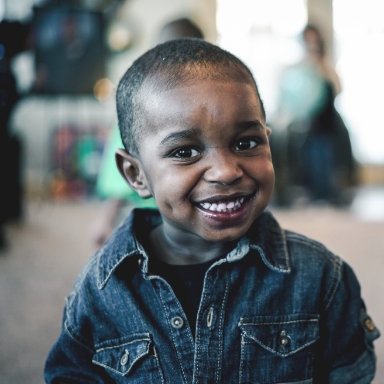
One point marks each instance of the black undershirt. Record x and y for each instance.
(187, 283)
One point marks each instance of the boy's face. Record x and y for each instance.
(206, 159)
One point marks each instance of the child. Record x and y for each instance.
(209, 289)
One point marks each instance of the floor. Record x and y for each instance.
(47, 251)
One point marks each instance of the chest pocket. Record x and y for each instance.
(130, 357)
(278, 349)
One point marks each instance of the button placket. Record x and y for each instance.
(177, 322)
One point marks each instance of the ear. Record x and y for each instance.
(132, 171)
(269, 131)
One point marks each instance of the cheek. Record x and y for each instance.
(269, 171)
(263, 169)
(173, 185)
(268, 176)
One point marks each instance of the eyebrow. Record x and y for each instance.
(244, 125)
(185, 134)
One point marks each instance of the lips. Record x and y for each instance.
(225, 211)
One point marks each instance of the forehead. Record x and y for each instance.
(202, 100)
(197, 98)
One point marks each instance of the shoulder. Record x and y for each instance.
(303, 247)
(86, 278)
(307, 263)
(321, 266)
(99, 278)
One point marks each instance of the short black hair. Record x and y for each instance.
(177, 62)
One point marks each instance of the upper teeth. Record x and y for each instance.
(223, 207)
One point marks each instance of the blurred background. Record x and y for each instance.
(318, 66)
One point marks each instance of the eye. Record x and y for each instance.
(245, 144)
(185, 153)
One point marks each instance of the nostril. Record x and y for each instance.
(223, 175)
(223, 167)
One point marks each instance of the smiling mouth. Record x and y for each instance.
(224, 206)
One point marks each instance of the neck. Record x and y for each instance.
(179, 247)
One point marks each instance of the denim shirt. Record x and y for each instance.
(279, 308)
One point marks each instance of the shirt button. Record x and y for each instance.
(368, 323)
(125, 358)
(177, 322)
(284, 339)
(210, 317)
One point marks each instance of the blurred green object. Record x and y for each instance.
(303, 91)
(110, 184)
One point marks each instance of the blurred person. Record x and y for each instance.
(318, 153)
(120, 199)
(208, 288)
(13, 38)
(315, 53)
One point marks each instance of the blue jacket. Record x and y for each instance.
(279, 308)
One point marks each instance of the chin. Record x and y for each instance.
(225, 235)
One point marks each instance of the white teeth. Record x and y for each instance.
(223, 207)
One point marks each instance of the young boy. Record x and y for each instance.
(209, 289)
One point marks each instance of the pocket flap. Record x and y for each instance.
(282, 335)
(122, 354)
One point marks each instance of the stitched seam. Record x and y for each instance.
(283, 235)
(107, 366)
(120, 373)
(122, 345)
(334, 285)
(198, 336)
(284, 322)
(241, 359)
(101, 284)
(154, 277)
(158, 365)
(173, 336)
(336, 262)
(278, 353)
(267, 263)
(219, 357)
(319, 248)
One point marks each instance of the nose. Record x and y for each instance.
(223, 168)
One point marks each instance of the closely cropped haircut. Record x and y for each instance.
(166, 66)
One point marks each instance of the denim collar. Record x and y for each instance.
(265, 236)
